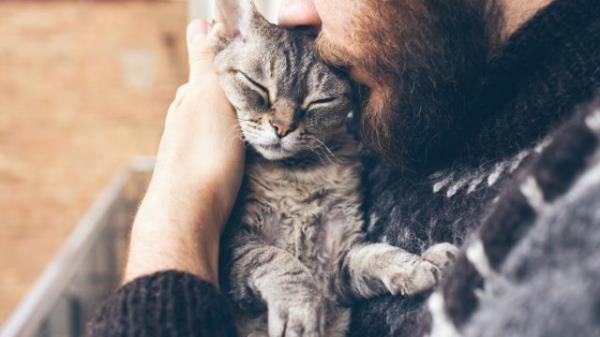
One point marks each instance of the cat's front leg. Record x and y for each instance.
(374, 269)
(272, 276)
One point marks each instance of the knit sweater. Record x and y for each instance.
(168, 303)
(530, 88)
(526, 145)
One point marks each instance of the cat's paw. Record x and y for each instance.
(411, 278)
(442, 255)
(297, 316)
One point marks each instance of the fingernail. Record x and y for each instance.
(195, 29)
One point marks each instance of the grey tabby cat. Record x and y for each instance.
(299, 253)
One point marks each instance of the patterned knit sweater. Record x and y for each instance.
(531, 144)
(529, 94)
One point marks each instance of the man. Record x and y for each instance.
(478, 119)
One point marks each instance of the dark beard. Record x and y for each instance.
(427, 57)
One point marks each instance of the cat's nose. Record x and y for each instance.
(282, 128)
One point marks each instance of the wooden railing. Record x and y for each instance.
(88, 267)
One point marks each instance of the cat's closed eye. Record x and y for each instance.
(322, 102)
(261, 100)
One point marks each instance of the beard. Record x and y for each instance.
(425, 60)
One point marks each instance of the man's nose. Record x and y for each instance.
(293, 13)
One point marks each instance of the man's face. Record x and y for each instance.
(335, 19)
(419, 59)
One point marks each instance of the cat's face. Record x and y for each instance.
(288, 102)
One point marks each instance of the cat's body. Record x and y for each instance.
(299, 248)
(297, 256)
(306, 212)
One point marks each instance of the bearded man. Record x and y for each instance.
(480, 128)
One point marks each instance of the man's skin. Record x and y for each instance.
(200, 159)
(198, 173)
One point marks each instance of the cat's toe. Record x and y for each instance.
(442, 255)
(421, 277)
(297, 319)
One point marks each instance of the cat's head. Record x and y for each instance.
(288, 102)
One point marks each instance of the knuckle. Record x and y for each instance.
(201, 53)
(202, 58)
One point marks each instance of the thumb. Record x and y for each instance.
(200, 55)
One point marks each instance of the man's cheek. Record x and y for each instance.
(360, 75)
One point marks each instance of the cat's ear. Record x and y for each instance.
(227, 19)
(235, 18)
(252, 20)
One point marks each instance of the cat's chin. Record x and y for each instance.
(273, 154)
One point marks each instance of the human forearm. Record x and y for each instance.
(198, 173)
(171, 274)
(172, 231)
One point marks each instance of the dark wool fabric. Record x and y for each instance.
(531, 87)
(164, 304)
(539, 188)
(546, 69)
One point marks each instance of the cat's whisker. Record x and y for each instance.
(332, 159)
(313, 150)
(318, 150)
(250, 125)
(234, 133)
(250, 132)
(326, 148)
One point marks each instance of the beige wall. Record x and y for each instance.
(84, 86)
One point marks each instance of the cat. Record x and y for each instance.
(297, 256)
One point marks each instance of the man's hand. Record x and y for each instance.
(197, 177)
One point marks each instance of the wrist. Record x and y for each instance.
(178, 226)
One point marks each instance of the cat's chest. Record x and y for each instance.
(296, 210)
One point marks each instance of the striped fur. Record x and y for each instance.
(297, 255)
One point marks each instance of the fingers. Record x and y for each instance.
(200, 55)
(181, 93)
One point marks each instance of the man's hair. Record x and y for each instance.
(427, 57)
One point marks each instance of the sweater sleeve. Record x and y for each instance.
(167, 303)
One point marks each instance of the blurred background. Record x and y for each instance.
(84, 86)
